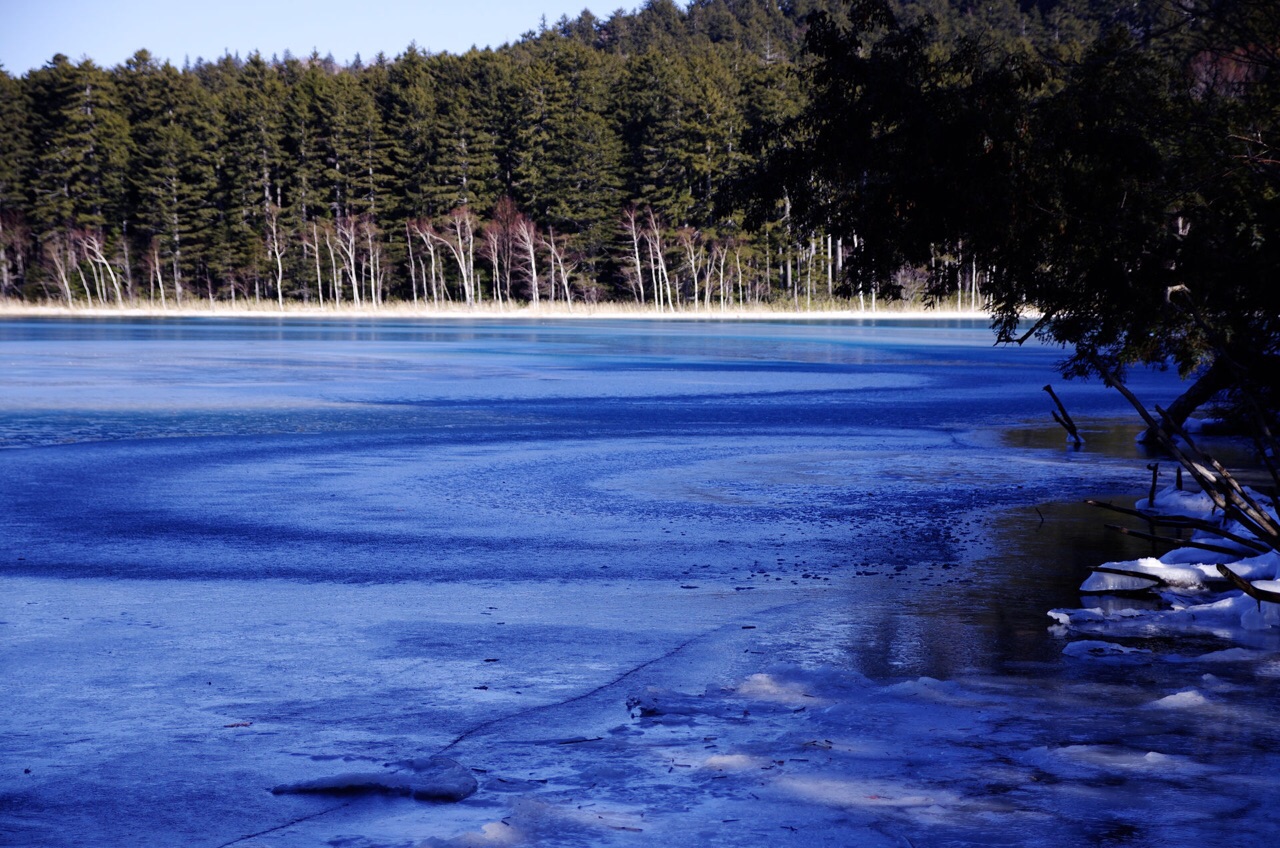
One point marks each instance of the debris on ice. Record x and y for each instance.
(432, 779)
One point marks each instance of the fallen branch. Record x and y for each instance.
(1177, 543)
(1224, 491)
(1124, 572)
(1185, 522)
(1248, 588)
(1065, 418)
(1239, 499)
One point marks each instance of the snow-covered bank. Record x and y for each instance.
(1196, 598)
(446, 312)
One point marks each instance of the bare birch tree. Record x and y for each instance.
(424, 230)
(660, 278)
(347, 238)
(631, 227)
(58, 250)
(527, 241)
(93, 246)
(459, 239)
(556, 256)
(275, 249)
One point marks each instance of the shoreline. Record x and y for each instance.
(400, 311)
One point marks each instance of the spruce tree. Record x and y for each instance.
(14, 157)
(171, 182)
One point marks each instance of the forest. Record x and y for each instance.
(595, 159)
(638, 158)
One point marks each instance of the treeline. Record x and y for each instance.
(595, 159)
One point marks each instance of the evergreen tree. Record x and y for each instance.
(14, 157)
(250, 168)
(465, 168)
(565, 153)
(236, 174)
(656, 102)
(1131, 199)
(15, 143)
(77, 176)
(305, 131)
(171, 181)
(373, 172)
(410, 113)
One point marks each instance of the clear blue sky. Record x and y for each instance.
(110, 31)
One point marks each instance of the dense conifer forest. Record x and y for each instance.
(647, 157)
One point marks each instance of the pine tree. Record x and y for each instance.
(373, 173)
(14, 158)
(304, 132)
(15, 141)
(77, 176)
(464, 171)
(171, 182)
(250, 172)
(410, 115)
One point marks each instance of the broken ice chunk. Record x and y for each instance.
(1094, 648)
(434, 779)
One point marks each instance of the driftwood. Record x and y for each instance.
(1065, 418)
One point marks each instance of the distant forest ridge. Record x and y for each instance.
(595, 159)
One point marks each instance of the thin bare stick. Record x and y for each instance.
(1065, 419)
(1240, 499)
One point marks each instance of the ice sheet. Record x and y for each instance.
(271, 554)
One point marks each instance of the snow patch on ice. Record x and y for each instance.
(1096, 648)
(733, 762)
(533, 821)
(926, 687)
(846, 792)
(1230, 655)
(767, 687)
(1078, 760)
(1189, 699)
(1174, 501)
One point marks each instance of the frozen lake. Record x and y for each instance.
(816, 556)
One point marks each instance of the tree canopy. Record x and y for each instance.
(1123, 191)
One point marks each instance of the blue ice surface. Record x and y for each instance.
(388, 450)
(238, 553)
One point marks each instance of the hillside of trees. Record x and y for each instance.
(629, 158)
